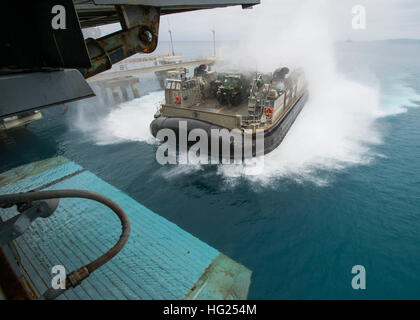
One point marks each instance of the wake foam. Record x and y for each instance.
(128, 121)
(332, 132)
(396, 97)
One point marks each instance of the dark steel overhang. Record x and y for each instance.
(100, 12)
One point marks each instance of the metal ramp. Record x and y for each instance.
(159, 261)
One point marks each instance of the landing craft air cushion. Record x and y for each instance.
(248, 104)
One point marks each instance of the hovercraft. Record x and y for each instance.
(250, 105)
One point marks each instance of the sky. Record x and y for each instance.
(385, 19)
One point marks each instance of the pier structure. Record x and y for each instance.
(117, 84)
(125, 77)
(163, 67)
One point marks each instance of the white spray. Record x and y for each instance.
(335, 128)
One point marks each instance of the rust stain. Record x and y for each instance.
(203, 276)
(229, 290)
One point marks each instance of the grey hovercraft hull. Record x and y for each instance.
(273, 136)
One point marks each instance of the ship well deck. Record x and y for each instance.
(159, 261)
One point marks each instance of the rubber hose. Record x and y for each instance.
(11, 199)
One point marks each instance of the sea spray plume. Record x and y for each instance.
(127, 121)
(130, 120)
(336, 126)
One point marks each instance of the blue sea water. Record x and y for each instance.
(323, 204)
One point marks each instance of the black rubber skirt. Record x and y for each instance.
(272, 137)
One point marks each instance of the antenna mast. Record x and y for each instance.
(170, 36)
(214, 43)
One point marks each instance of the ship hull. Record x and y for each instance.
(273, 136)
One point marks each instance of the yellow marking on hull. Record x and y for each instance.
(218, 111)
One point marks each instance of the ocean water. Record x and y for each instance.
(342, 190)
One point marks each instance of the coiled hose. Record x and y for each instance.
(75, 277)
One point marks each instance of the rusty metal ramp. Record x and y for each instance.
(159, 261)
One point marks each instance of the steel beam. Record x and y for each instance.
(139, 35)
